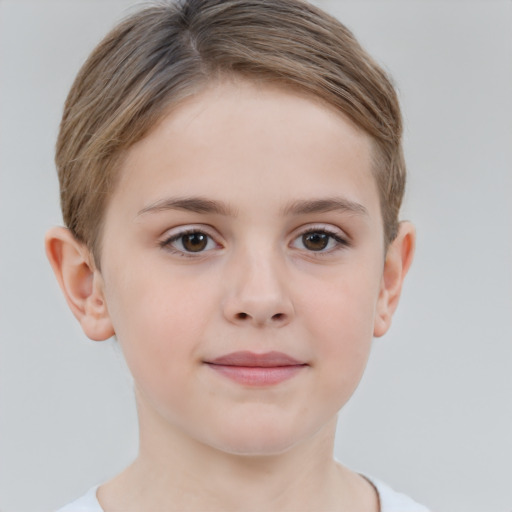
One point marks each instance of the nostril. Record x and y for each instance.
(278, 316)
(242, 316)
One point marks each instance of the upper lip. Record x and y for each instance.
(265, 360)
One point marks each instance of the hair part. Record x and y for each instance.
(168, 51)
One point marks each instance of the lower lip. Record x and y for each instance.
(258, 375)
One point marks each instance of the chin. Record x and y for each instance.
(257, 447)
(258, 439)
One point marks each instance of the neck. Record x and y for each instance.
(175, 472)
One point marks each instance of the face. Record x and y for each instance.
(242, 265)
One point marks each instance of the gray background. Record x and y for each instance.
(433, 415)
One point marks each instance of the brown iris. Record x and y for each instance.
(194, 242)
(315, 241)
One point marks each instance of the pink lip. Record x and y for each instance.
(253, 369)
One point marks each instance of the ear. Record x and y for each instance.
(398, 260)
(80, 281)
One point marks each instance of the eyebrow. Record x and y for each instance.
(331, 204)
(191, 204)
(299, 207)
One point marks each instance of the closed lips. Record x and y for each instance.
(257, 370)
(252, 359)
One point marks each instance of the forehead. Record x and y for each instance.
(237, 136)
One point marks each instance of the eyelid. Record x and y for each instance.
(330, 229)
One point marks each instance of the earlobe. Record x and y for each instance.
(398, 261)
(80, 281)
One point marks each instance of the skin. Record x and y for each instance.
(265, 157)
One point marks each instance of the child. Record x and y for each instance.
(231, 175)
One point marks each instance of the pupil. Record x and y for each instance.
(195, 242)
(315, 241)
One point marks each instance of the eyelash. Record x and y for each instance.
(167, 244)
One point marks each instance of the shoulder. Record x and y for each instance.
(393, 501)
(87, 503)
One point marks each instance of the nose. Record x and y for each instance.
(257, 293)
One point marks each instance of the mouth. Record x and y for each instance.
(252, 369)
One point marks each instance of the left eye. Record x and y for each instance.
(318, 241)
(191, 242)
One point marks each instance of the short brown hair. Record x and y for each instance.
(170, 50)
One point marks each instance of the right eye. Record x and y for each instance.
(190, 242)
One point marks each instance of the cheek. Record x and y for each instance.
(158, 325)
(344, 303)
(341, 323)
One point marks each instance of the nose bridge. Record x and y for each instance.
(257, 291)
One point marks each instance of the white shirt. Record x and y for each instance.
(390, 501)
